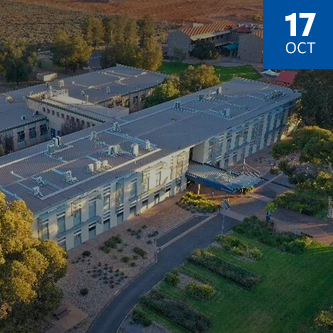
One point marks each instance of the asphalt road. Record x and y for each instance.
(172, 256)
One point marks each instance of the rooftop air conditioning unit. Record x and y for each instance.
(219, 91)
(82, 93)
(135, 149)
(61, 83)
(105, 164)
(108, 90)
(227, 112)
(114, 150)
(91, 168)
(50, 149)
(40, 181)
(116, 127)
(59, 139)
(68, 176)
(55, 142)
(98, 165)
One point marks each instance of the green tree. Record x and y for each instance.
(29, 269)
(146, 29)
(179, 54)
(165, 92)
(197, 78)
(17, 61)
(150, 55)
(94, 31)
(316, 107)
(70, 52)
(204, 50)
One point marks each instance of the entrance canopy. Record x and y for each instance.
(227, 181)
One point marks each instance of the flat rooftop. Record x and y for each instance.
(99, 86)
(169, 127)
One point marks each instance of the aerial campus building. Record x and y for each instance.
(36, 114)
(88, 182)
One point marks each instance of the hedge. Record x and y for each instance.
(139, 316)
(224, 268)
(177, 312)
(266, 234)
(172, 278)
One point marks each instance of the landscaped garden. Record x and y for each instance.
(288, 290)
(197, 203)
(225, 73)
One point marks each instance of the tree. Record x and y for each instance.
(146, 29)
(197, 78)
(17, 61)
(29, 269)
(150, 55)
(94, 31)
(179, 54)
(316, 107)
(204, 50)
(70, 52)
(165, 92)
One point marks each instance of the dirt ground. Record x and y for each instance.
(177, 11)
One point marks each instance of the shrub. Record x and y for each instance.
(325, 319)
(111, 243)
(238, 247)
(141, 317)
(202, 291)
(172, 278)
(224, 268)
(177, 312)
(84, 291)
(274, 170)
(141, 252)
(126, 259)
(86, 253)
(266, 234)
(191, 201)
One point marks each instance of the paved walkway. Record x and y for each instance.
(169, 258)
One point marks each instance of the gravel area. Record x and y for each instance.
(184, 280)
(105, 274)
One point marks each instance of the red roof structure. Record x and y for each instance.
(209, 28)
(286, 78)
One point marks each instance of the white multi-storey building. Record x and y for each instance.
(87, 182)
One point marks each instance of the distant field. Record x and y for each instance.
(226, 73)
(178, 11)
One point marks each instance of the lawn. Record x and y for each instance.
(226, 73)
(293, 289)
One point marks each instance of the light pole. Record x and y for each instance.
(225, 206)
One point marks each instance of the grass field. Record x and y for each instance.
(294, 288)
(226, 73)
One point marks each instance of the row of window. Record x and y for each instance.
(32, 133)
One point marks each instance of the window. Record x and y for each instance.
(120, 217)
(44, 110)
(53, 113)
(53, 133)
(92, 209)
(145, 204)
(62, 242)
(32, 133)
(62, 116)
(158, 177)
(119, 194)
(156, 198)
(92, 230)
(48, 111)
(228, 144)
(234, 158)
(145, 182)
(77, 217)
(61, 222)
(20, 136)
(43, 129)
(58, 114)
(133, 189)
(106, 225)
(88, 124)
(45, 230)
(77, 238)
(135, 100)
(106, 202)
(132, 211)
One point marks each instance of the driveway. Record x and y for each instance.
(169, 258)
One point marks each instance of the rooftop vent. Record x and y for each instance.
(82, 93)
(227, 112)
(36, 113)
(93, 136)
(9, 99)
(91, 168)
(219, 91)
(114, 150)
(177, 105)
(98, 165)
(108, 90)
(36, 191)
(116, 127)
(69, 178)
(147, 145)
(201, 97)
(61, 83)
(135, 149)
(105, 164)
(23, 117)
(40, 181)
